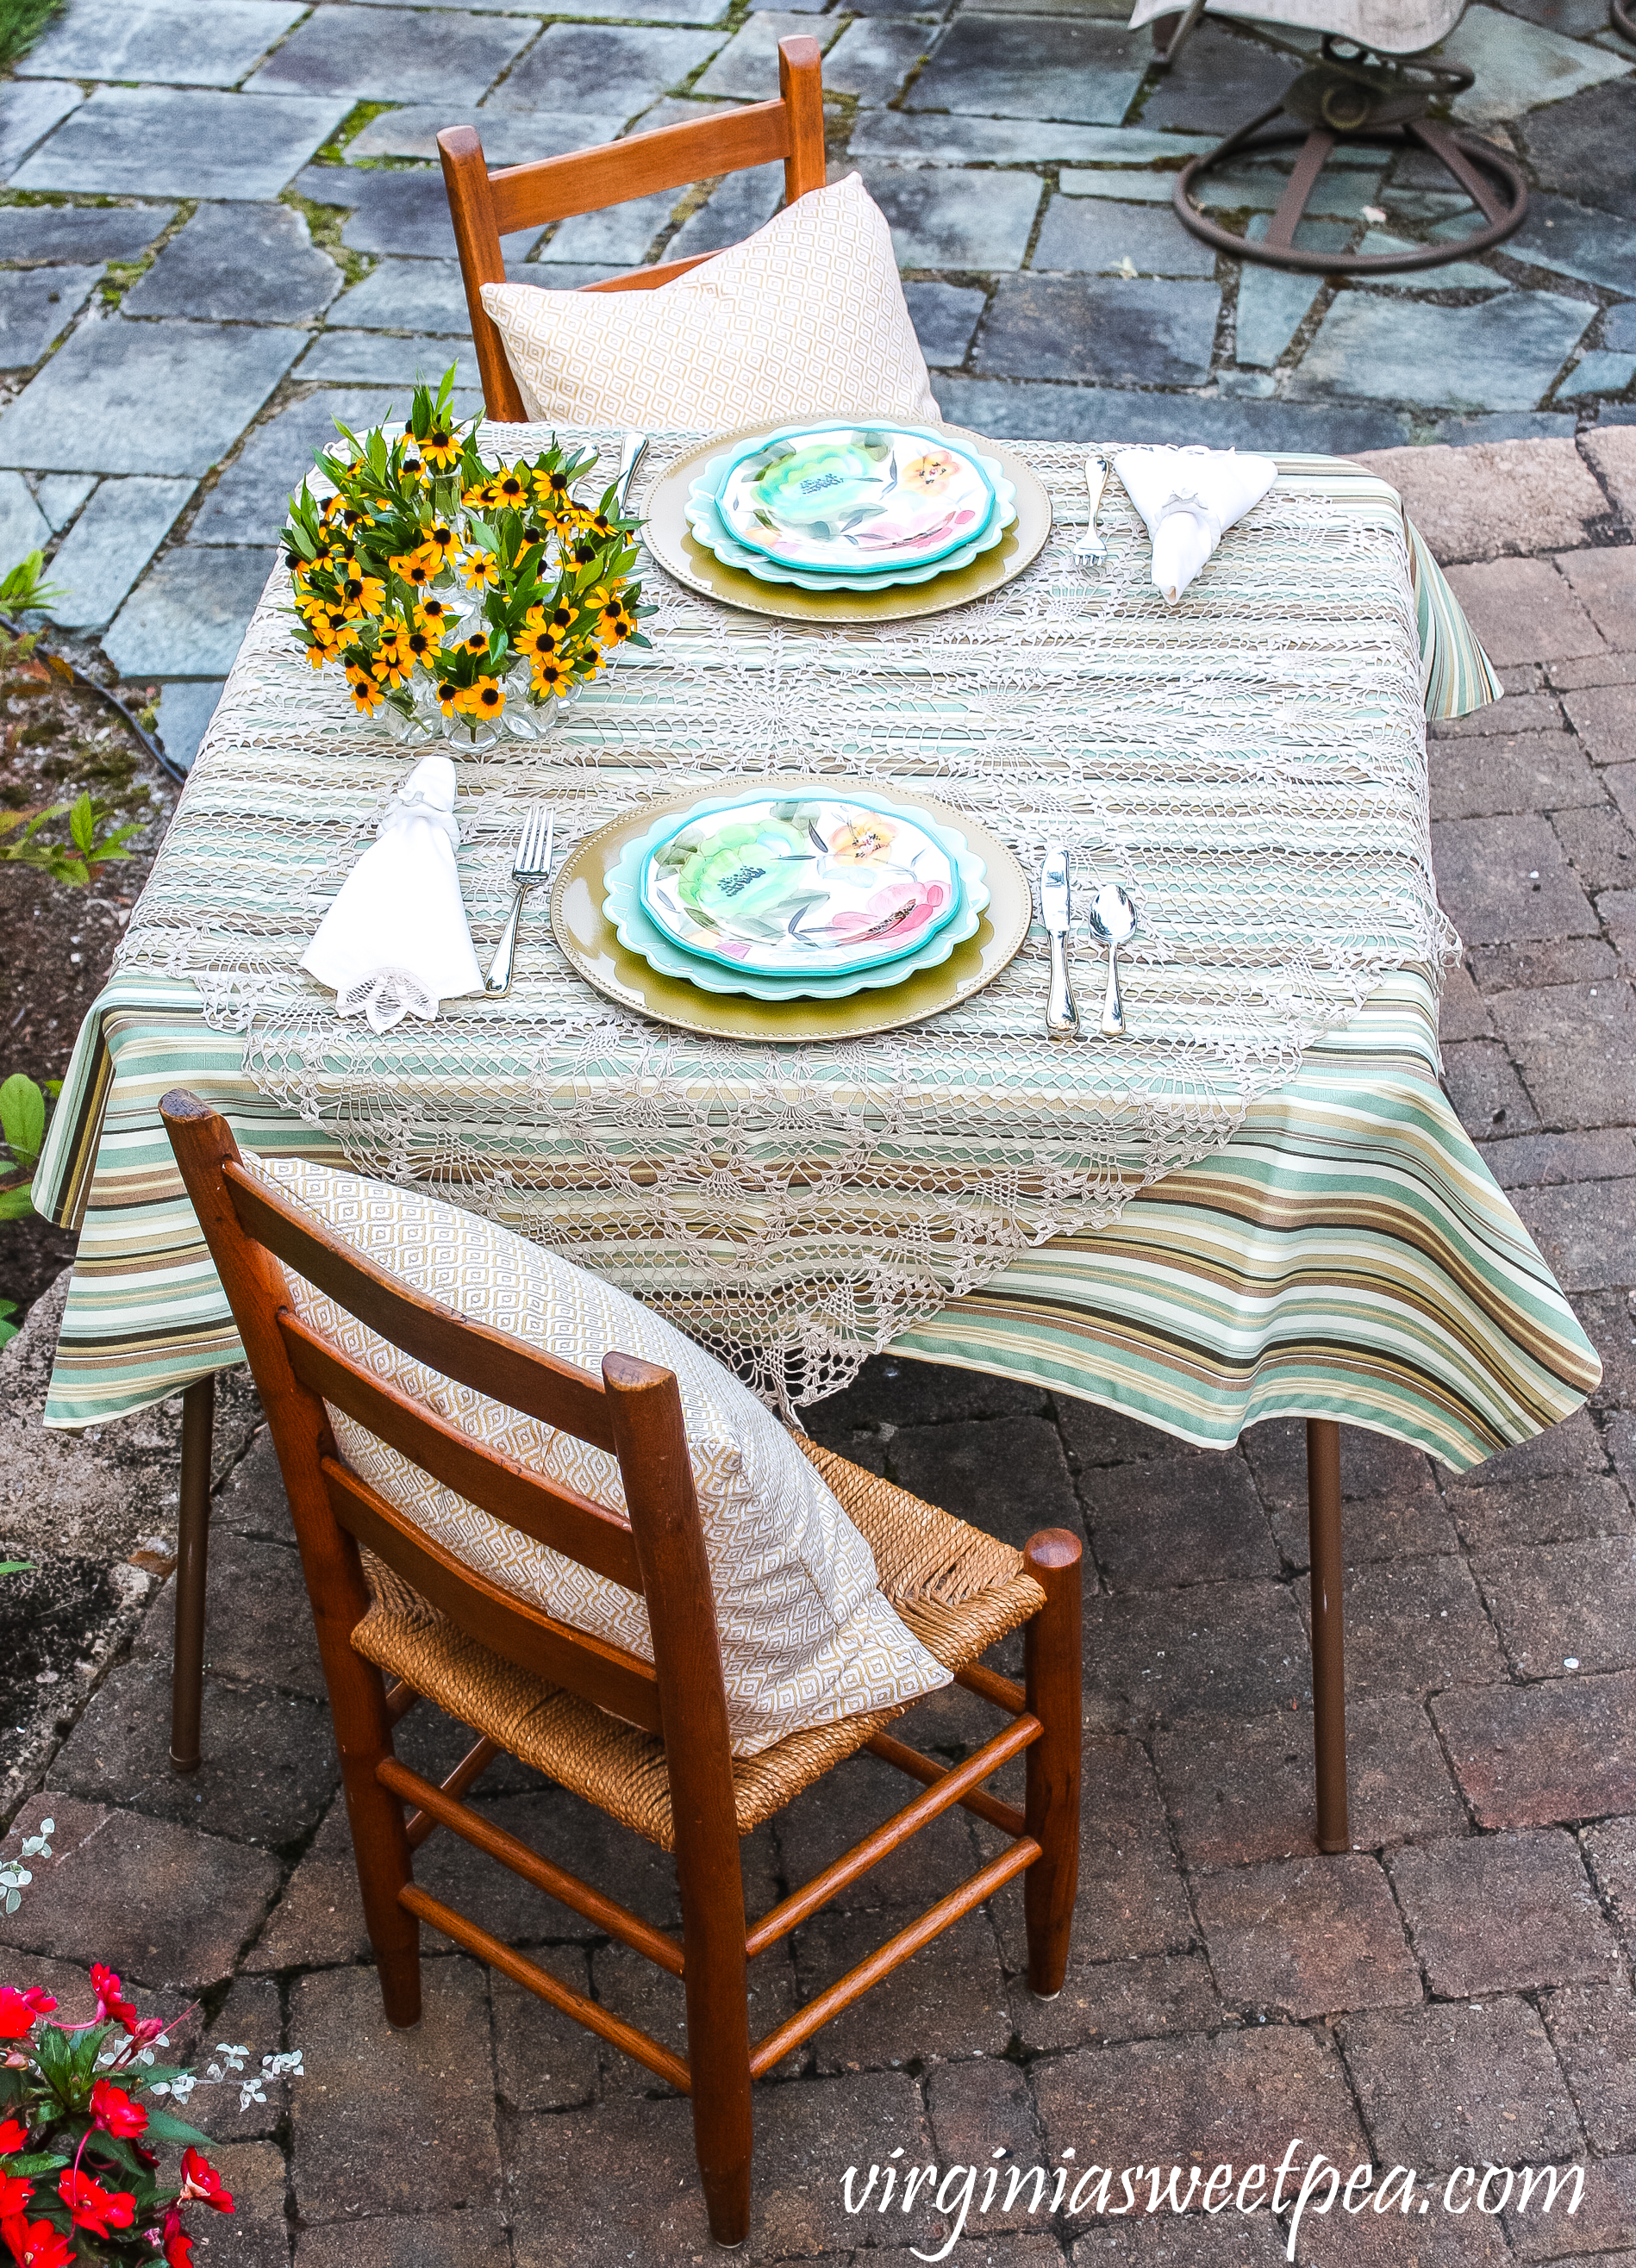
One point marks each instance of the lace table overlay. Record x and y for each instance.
(1251, 767)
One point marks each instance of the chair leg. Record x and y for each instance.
(719, 2040)
(381, 1847)
(193, 1544)
(1328, 1667)
(1051, 1807)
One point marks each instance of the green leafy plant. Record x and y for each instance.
(80, 2120)
(21, 23)
(8, 1330)
(91, 846)
(27, 585)
(23, 1125)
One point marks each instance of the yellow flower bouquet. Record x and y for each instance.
(463, 598)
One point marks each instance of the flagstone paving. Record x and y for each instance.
(264, 174)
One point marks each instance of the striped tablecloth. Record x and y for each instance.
(1347, 1254)
(1203, 1224)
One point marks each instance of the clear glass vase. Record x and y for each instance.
(413, 716)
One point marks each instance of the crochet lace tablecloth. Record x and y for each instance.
(1251, 766)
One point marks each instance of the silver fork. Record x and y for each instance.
(531, 865)
(1090, 545)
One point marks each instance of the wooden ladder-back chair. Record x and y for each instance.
(417, 1589)
(484, 206)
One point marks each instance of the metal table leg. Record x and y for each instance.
(198, 1419)
(1329, 1668)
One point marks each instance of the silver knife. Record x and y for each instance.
(1062, 1018)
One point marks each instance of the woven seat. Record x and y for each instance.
(958, 1590)
(647, 1740)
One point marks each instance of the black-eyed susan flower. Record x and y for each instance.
(433, 615)
(481, 571)
(615, 621)
(511, 489)
(412, 568)
(421, 647)
(448, 696)
(366, 694)
(482, 495)
(438, 447)
(441, 541)
(550, 673)
(361, 595)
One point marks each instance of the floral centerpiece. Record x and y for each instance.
(79, 2180)
(456, 593)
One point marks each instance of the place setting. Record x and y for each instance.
(847, 520)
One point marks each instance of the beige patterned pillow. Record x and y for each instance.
(806, 1634)
(805, 318)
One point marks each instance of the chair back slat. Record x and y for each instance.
(490, 1361)
(620, 1682)
(598, 1538)
(554, 188)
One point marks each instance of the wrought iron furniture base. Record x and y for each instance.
(1355, 96)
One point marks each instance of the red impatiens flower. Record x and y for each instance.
(114, 2111)
(200, 2179)
(14, 2195)
(19, 2010)
(178, 2243)
(105, 1985)
(13, 2136)
(92, 2207)
(35, 2243)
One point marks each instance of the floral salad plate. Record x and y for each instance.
(851, 507)
(783, 896)
(846, 496)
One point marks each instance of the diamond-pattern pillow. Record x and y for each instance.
(805, 1635)
(805, 318)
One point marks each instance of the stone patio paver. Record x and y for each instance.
(112, 541)
(1502, 1913)
(175, 142)
(160, 39)
(165, 1905)
(239, 264)
(423, 54)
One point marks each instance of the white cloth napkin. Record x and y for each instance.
(1188, 496)
(395, 942)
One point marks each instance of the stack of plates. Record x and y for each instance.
(797, 896)
(851, 507)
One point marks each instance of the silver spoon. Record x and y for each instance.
(1112, 921)
(1090, 545)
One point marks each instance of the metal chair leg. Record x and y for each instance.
(198, 1422)
(1329, 1667)
(1178, 39)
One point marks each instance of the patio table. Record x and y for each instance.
(1258, 1204)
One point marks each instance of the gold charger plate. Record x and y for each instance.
(589, 941)
(670, 540)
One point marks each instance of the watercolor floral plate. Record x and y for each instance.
(855, 562)
(840, 497)
(784, 885)
(932, 911)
